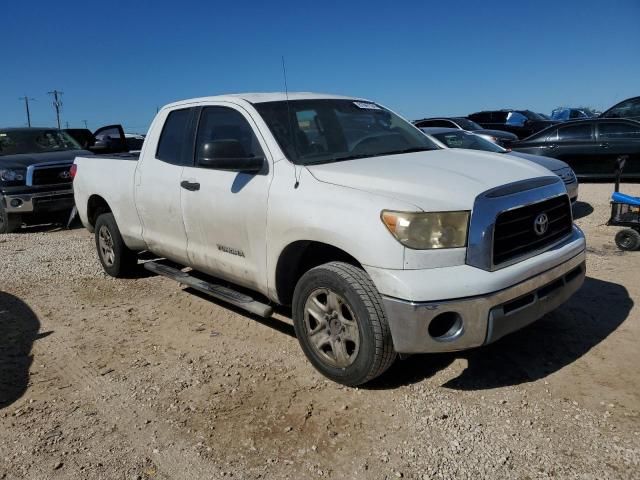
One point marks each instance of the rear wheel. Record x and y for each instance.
(628, 239)
(9, 222)
(341, 325)
(116, 258)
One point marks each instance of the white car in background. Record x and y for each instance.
(454, 138)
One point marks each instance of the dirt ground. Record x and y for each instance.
(139, 379)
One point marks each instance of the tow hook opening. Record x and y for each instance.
(446, 326)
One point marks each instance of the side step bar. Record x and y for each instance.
(225, 294)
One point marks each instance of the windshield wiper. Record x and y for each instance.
(340, 159)
(405, 150)
(369, 155)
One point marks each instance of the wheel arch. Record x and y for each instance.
(299, 257)
(96, 205)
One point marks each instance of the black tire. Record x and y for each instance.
(9, 222)
(359, 298)
(120, 261)
(628, 239)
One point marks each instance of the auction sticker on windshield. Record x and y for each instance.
(367, 105)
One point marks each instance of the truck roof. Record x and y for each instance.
(264, 97)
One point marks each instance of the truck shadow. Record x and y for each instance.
(581, 209)
(555, 341)
(18, 330)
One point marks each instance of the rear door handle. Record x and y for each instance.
(604, 145)
(191, 186)
(552, 146)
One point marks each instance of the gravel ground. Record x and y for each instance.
(138, 379)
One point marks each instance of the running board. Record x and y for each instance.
(225, 294)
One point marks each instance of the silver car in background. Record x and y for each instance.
(455, 138)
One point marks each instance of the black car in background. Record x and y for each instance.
(522, 123)
(35, 170)
(590, 147)
(497, 136)
(105, 140)
(629, 108)
(35, 175)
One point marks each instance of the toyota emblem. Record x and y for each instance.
(65, 175)
(541, 224)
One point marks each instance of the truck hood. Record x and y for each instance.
(438, 180)
(23, 160)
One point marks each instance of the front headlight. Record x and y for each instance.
(427, 230)
(10, 175)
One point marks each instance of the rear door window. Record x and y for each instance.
(174, 139)
(618, 131)
(575, 132)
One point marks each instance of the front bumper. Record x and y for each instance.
(38, 202)
(484, 318)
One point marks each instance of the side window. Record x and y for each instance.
(435, 123)
(225, 133)
(516, 119)
(499, 117)
(545, 136)
(575, 132)
(174, 137)
(481, 117)
(618, 131)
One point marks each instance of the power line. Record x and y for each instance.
(57, 103)
(26, 99)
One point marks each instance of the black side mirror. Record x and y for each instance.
(228, 155)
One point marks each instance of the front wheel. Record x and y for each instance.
(341, 325)
(9, 222)
(116, 258)
(628, 239)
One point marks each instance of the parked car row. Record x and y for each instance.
(589, 144)
(454, 138)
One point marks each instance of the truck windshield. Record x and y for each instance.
(323, 131)
(35, 140)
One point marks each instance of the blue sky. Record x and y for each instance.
(117, 61)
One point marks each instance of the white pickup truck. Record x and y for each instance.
(380, 241)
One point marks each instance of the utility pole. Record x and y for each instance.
(26, 105)
(67, 125)
(85, 124)
(57, 103)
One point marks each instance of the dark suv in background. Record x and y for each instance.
(523, 123)
(629, 108)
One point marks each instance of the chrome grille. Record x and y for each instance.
(515, 234)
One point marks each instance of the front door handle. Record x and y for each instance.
(191, 186)
(552, 146)
(604, 145)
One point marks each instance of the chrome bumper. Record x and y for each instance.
(486, 318)
(25, 202)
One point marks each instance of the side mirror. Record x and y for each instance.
(228, 155)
